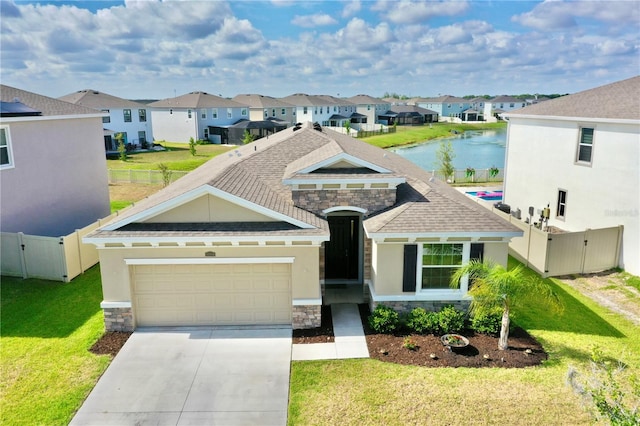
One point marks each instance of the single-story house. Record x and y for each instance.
(255, 235)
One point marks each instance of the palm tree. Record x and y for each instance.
(491, 285)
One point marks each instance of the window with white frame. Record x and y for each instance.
(189, 113)
(142, 115)
(284, 111)
(273, 112)
(106, 119)
(6, 157)
(243, 112)
(561, 207)
(585, 145)
(304, 110)
(439, 262)
(214, 112)
(229, 113)
(203, 114)
(266, 113)
(127, 115)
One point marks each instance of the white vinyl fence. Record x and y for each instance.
(51, 258)
(556, 254)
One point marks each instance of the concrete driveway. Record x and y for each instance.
(194, 376)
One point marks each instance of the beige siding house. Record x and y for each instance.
(255, 236)
(53, 172)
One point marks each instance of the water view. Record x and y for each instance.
(480, 149)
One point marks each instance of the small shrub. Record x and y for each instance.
(421, 321)
(410, 344)
(384, 319)
(451, 320)
(192, 147)
(487, 322)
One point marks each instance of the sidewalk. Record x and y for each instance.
(349, 337)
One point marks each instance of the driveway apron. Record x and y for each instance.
(195, 376)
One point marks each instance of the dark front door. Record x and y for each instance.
(342, 252)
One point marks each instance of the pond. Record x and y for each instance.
(480, 149)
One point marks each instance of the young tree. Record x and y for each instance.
(192, 146)
(445, 156)
(347, 126)
(247, 137)
(122, 149)
(491, 285)
(166, 174)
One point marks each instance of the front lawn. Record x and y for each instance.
(371, 392)
(46, 330)
(176, 157)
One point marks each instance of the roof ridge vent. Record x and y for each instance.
(297, 126)
(317, 126)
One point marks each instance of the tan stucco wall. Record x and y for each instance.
(498, 252)
(209, 208)
(387, 264)
(116, 280)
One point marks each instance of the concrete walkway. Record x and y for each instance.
(349, 337)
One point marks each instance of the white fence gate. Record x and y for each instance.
(50, 258)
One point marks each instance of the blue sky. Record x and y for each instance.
(155, 49)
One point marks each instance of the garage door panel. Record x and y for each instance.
(212, 294)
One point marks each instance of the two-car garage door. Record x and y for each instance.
(211, 294)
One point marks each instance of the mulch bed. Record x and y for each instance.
(322, 334)
(482, 350)
(110, 343)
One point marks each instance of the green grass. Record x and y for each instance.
(370, 392)
(119, 205)
(46, 330)
(176, 157)
(406, 135)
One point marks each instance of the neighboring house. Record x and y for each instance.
(408, 114)
(370, 107)
(128, 120)
(580, 155)
(254, 237)
(324, 110)
(196, 115)
(267, 108)
(445, 106)
(501, 104)
(53, 173)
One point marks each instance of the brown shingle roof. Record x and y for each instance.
(255, 173)
(619, 100)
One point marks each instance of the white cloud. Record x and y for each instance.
(557, 15)
(311, 21)
(351, 8)
(412, 12)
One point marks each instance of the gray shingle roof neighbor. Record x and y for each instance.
(261, 101)
(255, 173)
(619, 100)
(197, 100)
(365, 100)
(95, 99)
(46, 105)
(302, 99)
